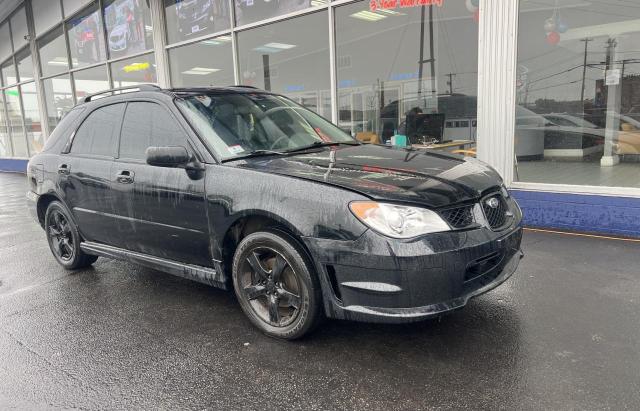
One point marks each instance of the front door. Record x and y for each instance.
(85, 174)
(162, 210)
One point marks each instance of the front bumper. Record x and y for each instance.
(378, 279)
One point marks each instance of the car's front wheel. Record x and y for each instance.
(276, 285)
(64, 239)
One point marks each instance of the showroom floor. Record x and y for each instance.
(563, 333)
(580, 173)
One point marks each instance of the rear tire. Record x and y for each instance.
(276, 285)
(64, 239)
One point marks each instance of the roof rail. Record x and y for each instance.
(138, 87)
(243, 86)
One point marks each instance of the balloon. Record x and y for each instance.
(562, 27)
(476, 16)
(470, 6)
(553, 38)
(549, 25)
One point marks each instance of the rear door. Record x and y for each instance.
(162, 210)
(85, 173)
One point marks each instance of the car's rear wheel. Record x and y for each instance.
(276, 286)
(64, 239)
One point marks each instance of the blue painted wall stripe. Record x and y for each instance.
(13, 164)
(586, 213)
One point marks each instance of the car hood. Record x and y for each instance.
(424, 177)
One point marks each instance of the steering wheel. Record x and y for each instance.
(275, 143)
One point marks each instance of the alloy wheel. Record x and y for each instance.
(271, 286)
(59, 231)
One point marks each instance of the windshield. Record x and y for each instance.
(238, 124)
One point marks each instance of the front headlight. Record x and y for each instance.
(398, 221)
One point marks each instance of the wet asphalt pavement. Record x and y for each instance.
(563, 333)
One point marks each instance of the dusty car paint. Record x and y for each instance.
(186, 221)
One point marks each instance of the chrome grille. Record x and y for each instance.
(459, 217)
(495, 210)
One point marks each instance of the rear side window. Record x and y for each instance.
(148, 125)
(98, 134)
(60, 135)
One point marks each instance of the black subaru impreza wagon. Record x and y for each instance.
(245, 189)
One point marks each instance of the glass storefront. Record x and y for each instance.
(86, 38)
(578, 91)
(203, 64)
(135, 70)
(190, 19)
(280, 57)
(410, 72)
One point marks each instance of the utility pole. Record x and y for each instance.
(421, 59)
(584, 69)
(450, 82)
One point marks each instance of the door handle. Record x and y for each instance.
(64, 169)
(125, 177)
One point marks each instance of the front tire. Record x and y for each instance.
(276, 285)
(64, 239)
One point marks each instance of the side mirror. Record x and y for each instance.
(168, 156)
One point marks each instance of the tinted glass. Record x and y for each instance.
(579, 89)
(12, 96)
(58, 97)
(134, 71)
(146, 125)
(5, 41)
(57, 140)
(86, 39)
(53, 53)
(129, 28)
(98, 134)
(203, 64)
(35, 138)
(19, 29)
(248, 11)
(46, 14)
(281, 57)
(91, 81)
(25, 64)
(194, 18)
(239, 124)
(8, 73)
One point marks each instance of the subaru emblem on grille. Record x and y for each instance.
(493, 202)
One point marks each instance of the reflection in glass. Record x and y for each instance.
(577, 89)
(46, 14)
(14, 114)
(58, 98)
(280, 57)
(5, 141)
(384, 90)
(5, 41)
(90, 81)
(86, 38)
(203, 64)
(35, 138)
(195, 18)
(53, 53)
(71, 6)
(136, 70)
(248, 11)
(129, 27)
(25, 64)
(19, 29)
(8, 73)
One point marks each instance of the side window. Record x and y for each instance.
(98, 134)
(146, 125)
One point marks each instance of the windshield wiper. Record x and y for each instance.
(256, 153)
(320, 144)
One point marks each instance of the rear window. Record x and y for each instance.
(60, 136)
